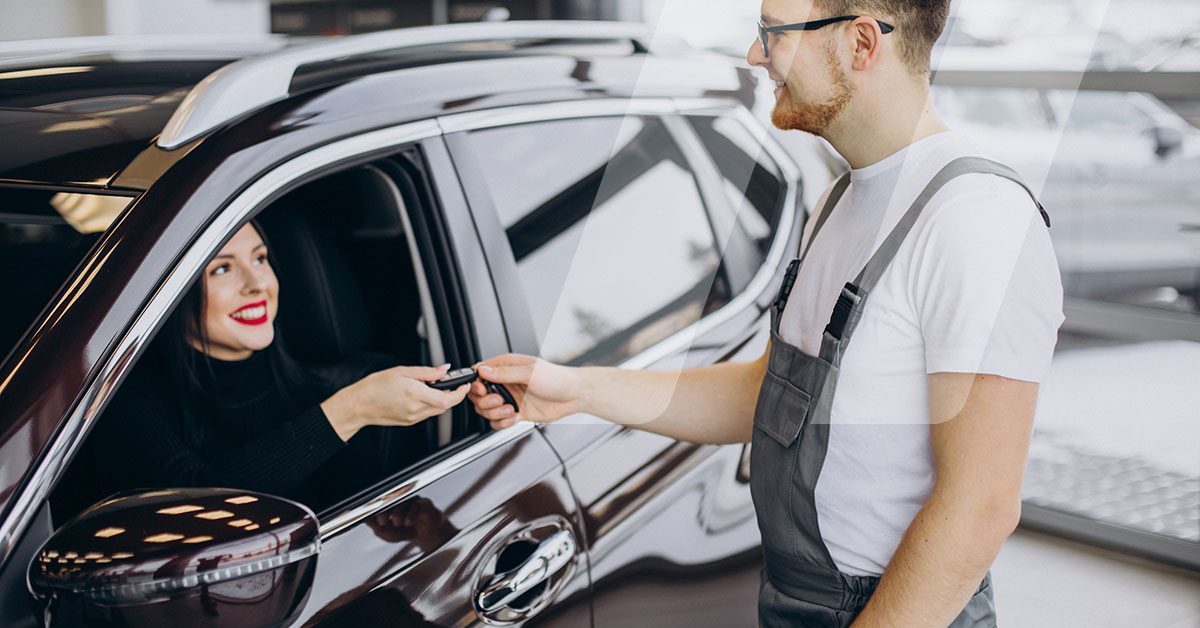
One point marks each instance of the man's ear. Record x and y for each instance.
(868, 43)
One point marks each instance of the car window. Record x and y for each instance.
(612, 241)
(43, 236)
(750, 179)
(348, 304)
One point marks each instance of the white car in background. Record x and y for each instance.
(1117, 172)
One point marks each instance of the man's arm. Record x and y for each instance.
(710, 404)
(980, 433)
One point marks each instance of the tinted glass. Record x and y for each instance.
(612, 241)
(751, 180)
(43, 236)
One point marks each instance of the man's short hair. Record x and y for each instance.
(918, 24)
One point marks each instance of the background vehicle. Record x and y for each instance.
(1118, 171)
(436, 195)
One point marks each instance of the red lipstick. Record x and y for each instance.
(240, 314)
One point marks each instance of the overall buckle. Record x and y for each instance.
(846, 302)
(789, 280)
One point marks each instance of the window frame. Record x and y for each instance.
(469, 149)
(517, 319)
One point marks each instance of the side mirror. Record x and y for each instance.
(1167, 140)
(180, 558)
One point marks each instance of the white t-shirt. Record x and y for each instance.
(975, 288)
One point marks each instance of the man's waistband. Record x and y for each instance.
(818, 584)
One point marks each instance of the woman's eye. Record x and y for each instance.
(262, 259)
(219, 270)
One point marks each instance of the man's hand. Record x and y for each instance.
(544, 391)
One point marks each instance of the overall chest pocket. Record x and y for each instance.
(782, 409)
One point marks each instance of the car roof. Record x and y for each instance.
(78, 111)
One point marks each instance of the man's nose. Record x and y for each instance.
(755, 56)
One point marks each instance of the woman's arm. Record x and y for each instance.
(140, 436)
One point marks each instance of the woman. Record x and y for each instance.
(219, 402)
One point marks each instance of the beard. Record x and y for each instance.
(816, 117)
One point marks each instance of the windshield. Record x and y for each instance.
(43, 236)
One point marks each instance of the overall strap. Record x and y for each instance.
(789, 277)
(847, 311)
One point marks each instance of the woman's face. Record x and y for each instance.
(241, 298)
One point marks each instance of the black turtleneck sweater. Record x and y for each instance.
(253, 437)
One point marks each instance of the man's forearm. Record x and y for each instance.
(939, 564)
(710, 404)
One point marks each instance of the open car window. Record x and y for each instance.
(349, 304)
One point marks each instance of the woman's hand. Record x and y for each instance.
(393, 397)
(543, 390)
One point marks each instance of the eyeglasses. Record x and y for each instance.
(765, 31)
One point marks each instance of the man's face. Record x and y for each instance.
(812, 89)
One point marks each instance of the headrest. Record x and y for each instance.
(322, 314)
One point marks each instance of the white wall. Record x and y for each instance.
(227, 17)
(37, 19)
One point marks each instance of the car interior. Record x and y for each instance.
(350, 294)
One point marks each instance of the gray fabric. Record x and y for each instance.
(801, 583)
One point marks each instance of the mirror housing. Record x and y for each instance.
(181, 558)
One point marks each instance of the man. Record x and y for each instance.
(883, 504)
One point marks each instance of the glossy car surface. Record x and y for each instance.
(407, 150)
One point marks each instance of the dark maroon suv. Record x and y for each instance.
(440, 194)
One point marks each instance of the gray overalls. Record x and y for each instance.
(801, 584)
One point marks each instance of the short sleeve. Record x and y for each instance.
(987, 289)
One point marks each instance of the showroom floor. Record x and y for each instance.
(1043, 580)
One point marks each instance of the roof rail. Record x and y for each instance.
(249, 84)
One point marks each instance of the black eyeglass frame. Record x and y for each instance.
(764, 31)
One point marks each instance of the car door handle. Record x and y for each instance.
(1189, 227)
(551, 556)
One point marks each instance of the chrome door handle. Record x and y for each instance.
(551, 556)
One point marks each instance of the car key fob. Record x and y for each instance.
(454, 379)
(499, 389)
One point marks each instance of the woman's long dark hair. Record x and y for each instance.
(191, 373)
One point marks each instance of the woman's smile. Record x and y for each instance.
(251, 314)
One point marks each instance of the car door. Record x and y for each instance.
(432, 547)
(608, 222)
